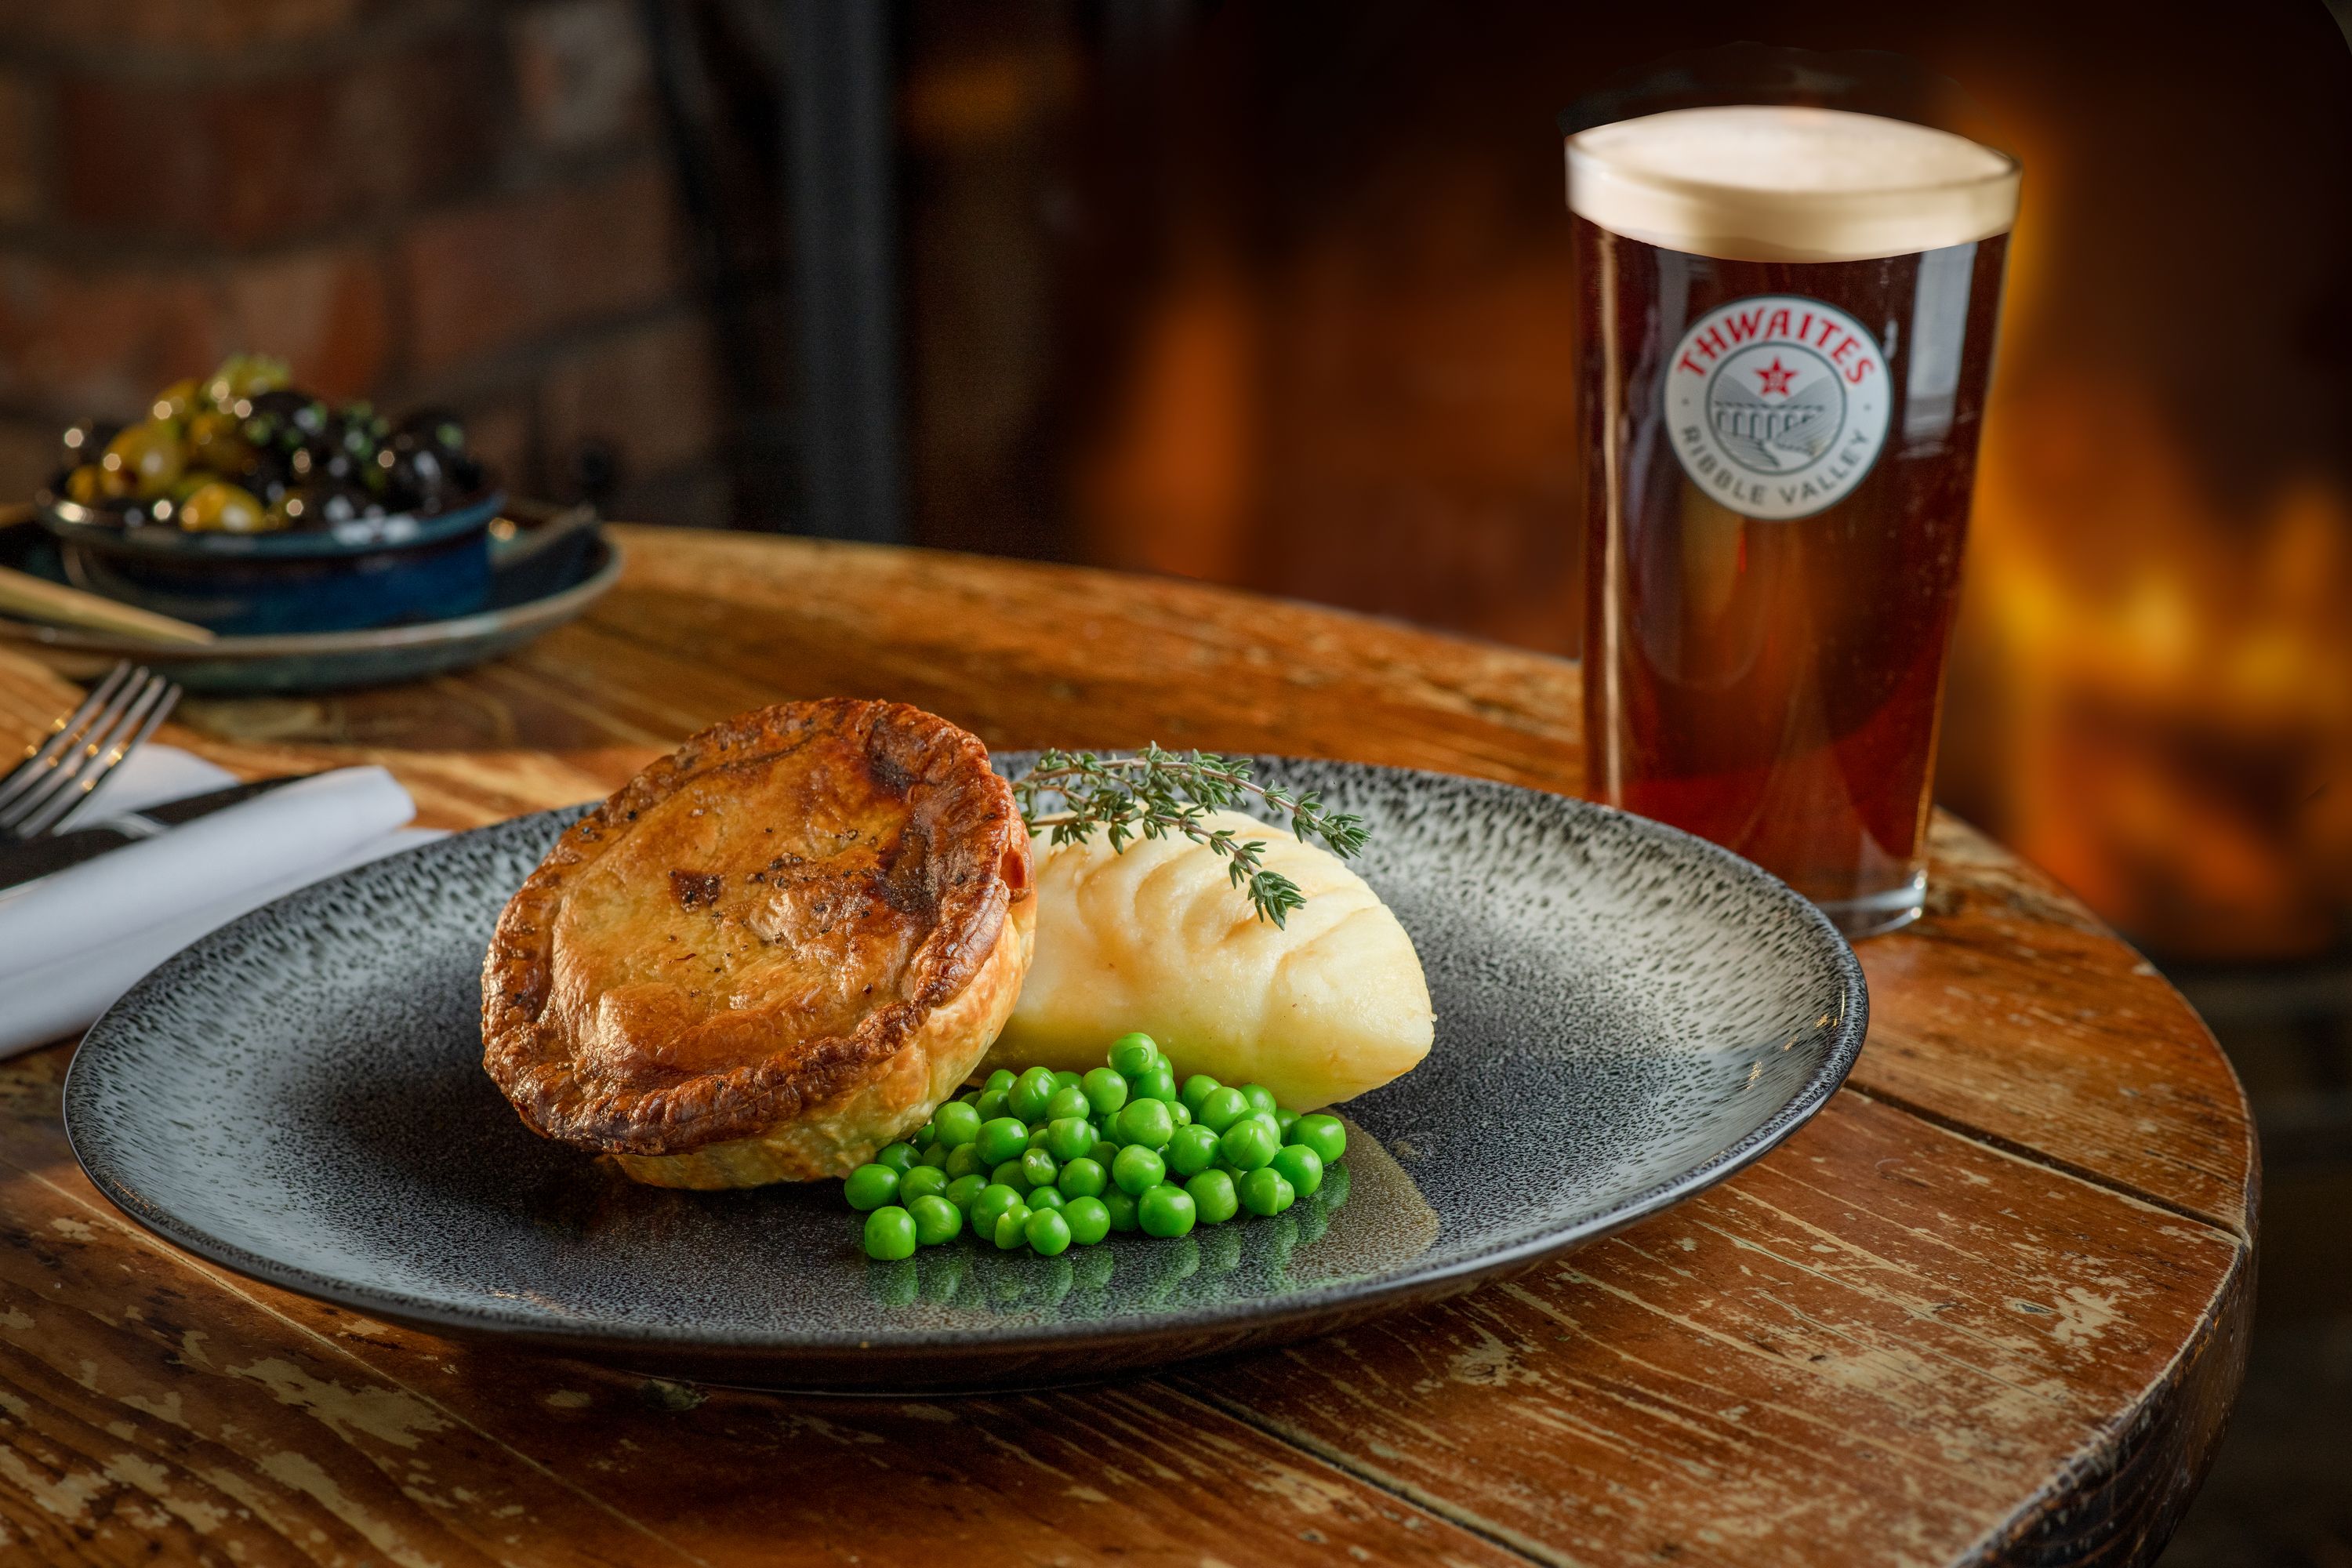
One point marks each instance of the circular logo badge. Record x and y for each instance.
(1777, 405)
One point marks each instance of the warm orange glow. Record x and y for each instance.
(2173, 677)
(1171, 486)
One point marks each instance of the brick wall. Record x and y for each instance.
(411, 200)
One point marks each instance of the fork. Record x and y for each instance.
(59, 771)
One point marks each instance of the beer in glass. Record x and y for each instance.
(1787, 321)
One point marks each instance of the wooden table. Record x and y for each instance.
(1990, 1305)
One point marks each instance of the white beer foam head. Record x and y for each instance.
(1751, 182)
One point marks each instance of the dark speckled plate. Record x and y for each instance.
(1625, 1014)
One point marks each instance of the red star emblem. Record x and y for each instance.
(1776, 378)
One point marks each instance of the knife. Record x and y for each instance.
(39, 856)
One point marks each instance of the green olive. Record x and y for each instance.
(178, 400)
(147, 455)
(245, 375)
(224, 507)
(84, 484)
(216, 441)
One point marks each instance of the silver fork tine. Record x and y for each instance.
(93, 760)
(79, 747)
(43, 757)
(155, 701)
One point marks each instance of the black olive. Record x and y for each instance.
(434, 429)
(269, 476)
(286, 419)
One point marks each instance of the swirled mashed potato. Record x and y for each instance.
(1158, 939)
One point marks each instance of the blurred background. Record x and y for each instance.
(1279, 295)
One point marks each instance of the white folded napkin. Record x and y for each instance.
(74, 940)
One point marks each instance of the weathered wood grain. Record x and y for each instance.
(1989, 1307)
(1854, 1352)
(154, 1405)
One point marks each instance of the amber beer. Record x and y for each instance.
(1787, 321)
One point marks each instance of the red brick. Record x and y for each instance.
(111, 27)
(251, 161)
(495, 274)
(650, 393)
(75, 341)
(24, 147)
(323, 312)
(581, 73)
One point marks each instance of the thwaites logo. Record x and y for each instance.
(1777, 405)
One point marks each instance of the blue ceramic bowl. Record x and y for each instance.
(372, 572)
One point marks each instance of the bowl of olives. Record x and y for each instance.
(251, 506)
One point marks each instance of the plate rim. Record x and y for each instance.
(1264, 1320)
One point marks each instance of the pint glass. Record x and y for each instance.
(1787, 321)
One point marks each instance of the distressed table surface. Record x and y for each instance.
(1989, 1306)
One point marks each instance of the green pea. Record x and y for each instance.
(922, 1137)
(889, 1234)
(900, 1157)
(1301, 1167)
(1012, 1227)
(1088, 1219)
(1260, 1096)
(1179, 1112)
(870, 1186)
(1065, 1078)
(1326, 1135)
(1133, 1054)
(935, 1157)
(963, 1189)
(1027, 1097)
(990, 1105)
(922, 1182)
(1000, 1081)
(1120, 1206)
(936, 1220)
(1214, 1196)
(1266, 1118)
(1159, 1083)
(1249, 1144)
(964, 1160)
(1105, 1090)
(1266, 1191)
(1002, 1138)
(1102, 1152)
(1039, 1169)
(1048, 1233)
(1043, 1198)
(1220, 1108)
(1070, 1138)
(1287, 1117)
(1197, 1087)
(956, 1122)
(1083, 1178)
(1008, 1174)
(1038, 1135)
(1192, 1150)
(1145, 1123)
(994, 1199)
(1070, 1101)
(1138, 1170)
(1165, 1211)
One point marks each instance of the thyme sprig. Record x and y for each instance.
(1157, 793)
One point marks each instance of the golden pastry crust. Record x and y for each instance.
(768, 953)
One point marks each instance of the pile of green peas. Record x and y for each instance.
(1048, 1161)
